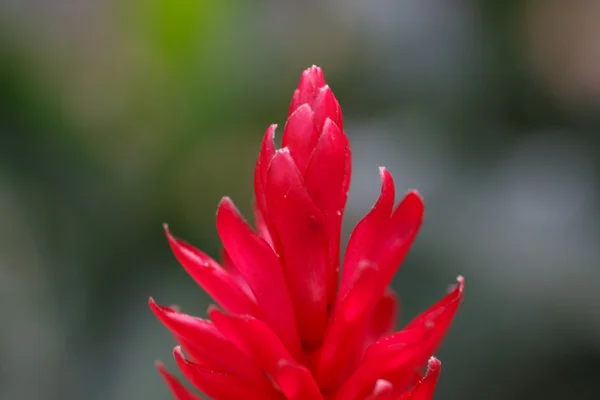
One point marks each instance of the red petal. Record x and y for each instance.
(206, 343)
(326, 107)
(385, 315)
(425, 388)
(261, 269)
(265, 228)
(396, 357)
(345, 340)
(300, 136)
(367, 231)
(229, 265)
(255, 338)
(311, 81)
(267, 152)
(302, 230)
(179, 391)
(217, 282)
(395, 239)
(220, 384)
(297, 382)
(395, 364)
(432, 325)
(398, 235)
(439, 316)
(327, 179)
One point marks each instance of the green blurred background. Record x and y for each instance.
(117, 116)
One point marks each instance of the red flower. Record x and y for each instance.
(287, 326)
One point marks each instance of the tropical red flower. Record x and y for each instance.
(288, 327)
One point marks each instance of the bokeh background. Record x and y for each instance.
(117, 116)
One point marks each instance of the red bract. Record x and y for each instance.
(288, 326)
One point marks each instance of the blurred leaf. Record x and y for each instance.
(180, 28)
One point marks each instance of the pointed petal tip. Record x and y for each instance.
(165, 314)
(159, 311)
(168, 234)
(331, 127)
(313, 70)
(283, 150)
(178, 353)
(459, 286)
(414, 202)
(425, 388)
(386, 178)
(179, 391)
(270, 134)
(226, 205)
(311, 81)
(225, 200)
(212, 308)
(180, 359)
(170, 238)
(414, 193)
(434, 364)
(434, 367)
(312, 78)
(160, 366)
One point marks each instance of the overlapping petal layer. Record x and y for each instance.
(288, 326)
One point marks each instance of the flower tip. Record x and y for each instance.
(225, 199)
(414, 193)
(226, 204)
(212, 309)
(180, 358)
(457, 288)
(434, 367)
(168, 234)
(159, 311)
(313, 70)
(460, 284)
(178, 354)
(163, 312)
(434, 363)
(385, 177)
(162, 370)
(312, 79)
